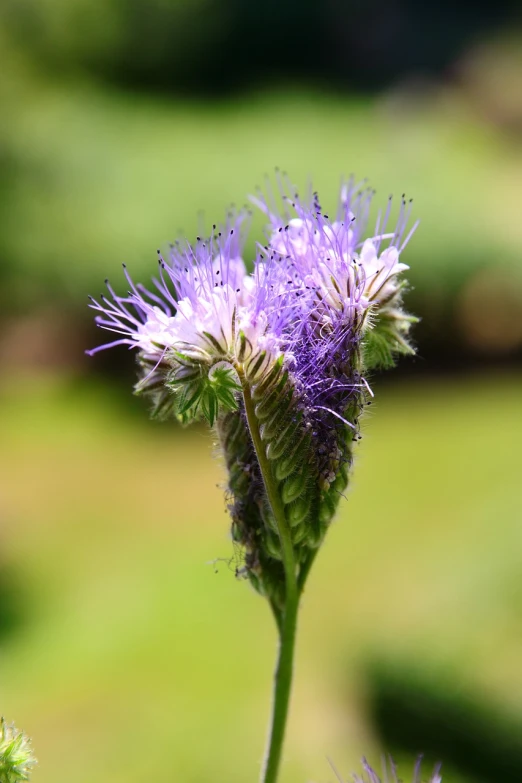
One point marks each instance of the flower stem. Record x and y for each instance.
(288, 624)
(282, 688)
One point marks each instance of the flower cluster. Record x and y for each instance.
(16, 756)
(277, 357)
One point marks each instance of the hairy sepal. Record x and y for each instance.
(386, 335)
(288, 448)
(201, 392)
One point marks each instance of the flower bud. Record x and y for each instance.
(16, 755)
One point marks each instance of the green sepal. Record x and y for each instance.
(199, 392)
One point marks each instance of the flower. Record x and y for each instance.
(206, 318)
(370, 776)
(343, 280)
(16, 755)
(276, 358)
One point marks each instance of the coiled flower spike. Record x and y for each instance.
(348, 318)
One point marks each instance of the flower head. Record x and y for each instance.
(16, 755)
(344, 280)
(205, 317)
(292, 342)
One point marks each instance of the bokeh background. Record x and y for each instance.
(129, 651)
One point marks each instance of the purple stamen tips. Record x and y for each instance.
(390, 774)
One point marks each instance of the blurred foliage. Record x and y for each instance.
(491, 74)
(130, 40)
(12, 605)
(214, 46)
(412, 709)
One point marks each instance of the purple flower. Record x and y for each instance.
(343, 291)
(295, 338)
(205, 312)
(389, 774)
(343, 279)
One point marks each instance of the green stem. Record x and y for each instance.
(282, 688)
(288, 623)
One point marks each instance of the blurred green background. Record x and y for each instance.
(129, 651)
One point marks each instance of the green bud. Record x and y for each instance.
(16, 755)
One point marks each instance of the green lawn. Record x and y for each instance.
(135, 655)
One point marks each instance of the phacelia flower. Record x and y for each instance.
(344, 289)
(276, 358)
(389, 774)
(16, 755)
(205, 317)
(343, 278)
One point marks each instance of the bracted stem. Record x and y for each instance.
(288, 622)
